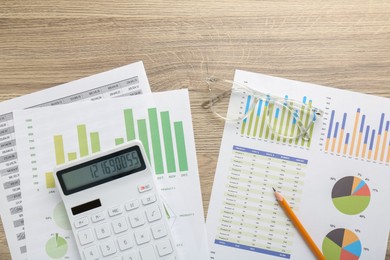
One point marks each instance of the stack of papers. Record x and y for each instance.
(335, 183)
(54, 122)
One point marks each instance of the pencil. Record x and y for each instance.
(298, 225)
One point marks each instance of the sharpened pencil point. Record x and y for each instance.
(273, 188)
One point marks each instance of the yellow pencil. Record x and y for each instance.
(298, 225)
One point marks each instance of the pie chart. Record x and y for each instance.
(56, 247)
(341, 244)
(351, 195)
(60, 216)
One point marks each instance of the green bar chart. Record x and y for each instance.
(273, 121)
(163, 127)
(59, 149)
(162, 138)
(83, 140)
(49, 180)
(181, 147)
(129, 122)
(156, 142)
(143, 135)
(72, 156)
(167, 134)
(95, 142)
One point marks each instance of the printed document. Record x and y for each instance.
(127, 80)
(51, 136)
(336, 183)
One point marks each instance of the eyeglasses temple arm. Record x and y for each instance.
(207, 104)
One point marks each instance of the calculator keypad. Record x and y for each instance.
(86, 236)
(133, 231)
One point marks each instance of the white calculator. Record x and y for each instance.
(114, 207)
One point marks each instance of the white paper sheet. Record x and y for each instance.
(165, 128)
(336, 184)
(127, 80)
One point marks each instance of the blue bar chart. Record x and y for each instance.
(356, 136)
(273, 121)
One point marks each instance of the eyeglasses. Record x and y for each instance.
(286, 118)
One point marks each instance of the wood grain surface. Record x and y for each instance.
(343, 44)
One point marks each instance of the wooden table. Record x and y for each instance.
(344, 44)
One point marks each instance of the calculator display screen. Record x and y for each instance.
(101, 170)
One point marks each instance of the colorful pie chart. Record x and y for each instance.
(341, 244)
(351, 195)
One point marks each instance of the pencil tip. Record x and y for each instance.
(273, 188)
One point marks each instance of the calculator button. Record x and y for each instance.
(102, 231)
(159, 231)
(81, 222)
(142, 236)
(153, 213)
(115, 211)
(132, 205)
(144, 187)
(164, 248)
(125, 242)
(147, 253)
(108, 247)
(91, 253)
(85, 236)
(99, 216)
(148, 199)
(119, 225)
(137, 219)
(132, 255)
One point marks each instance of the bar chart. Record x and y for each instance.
(324, 184)
(273, 121)
(142, 129)
(165, 129)
(359, 136)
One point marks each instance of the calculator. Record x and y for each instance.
(114, 207)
